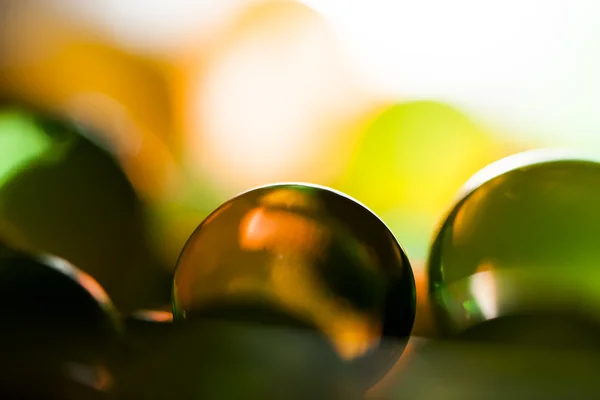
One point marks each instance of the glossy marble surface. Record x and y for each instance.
(60, 332)
(307, 252)
(522, 238)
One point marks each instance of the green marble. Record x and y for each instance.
(522, 238)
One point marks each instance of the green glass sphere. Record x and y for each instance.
(62, 192)
(307, 252)
(522, 239)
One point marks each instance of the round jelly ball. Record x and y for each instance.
(62, 192)
(521, 240)
(59, 333)
(311, 253)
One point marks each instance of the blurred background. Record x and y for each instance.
(395, 103)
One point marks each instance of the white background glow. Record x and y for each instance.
(525, 66)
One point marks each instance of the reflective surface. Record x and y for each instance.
(149, 362)
(310, 253)
(522, 239)
(59, 330)
(225, 358)
(63, 193)
(512, 359)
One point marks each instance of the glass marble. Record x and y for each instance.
(63, 192)
(60, 332)
(522, 239)
(306, 253)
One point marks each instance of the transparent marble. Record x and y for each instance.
(307, 252)
(522, 239)
(60, 332)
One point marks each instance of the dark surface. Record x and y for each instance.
(517, 357)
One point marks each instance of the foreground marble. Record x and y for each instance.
(304, 253)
